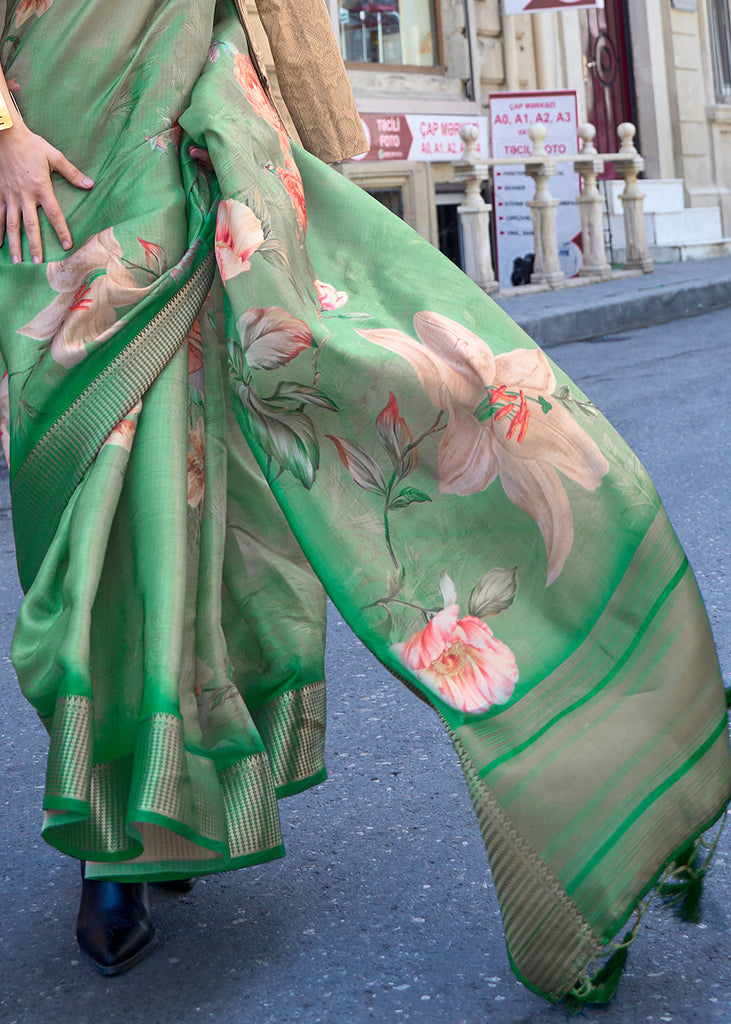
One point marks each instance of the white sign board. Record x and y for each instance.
(425, 137)
(531, 6)
(511, 114)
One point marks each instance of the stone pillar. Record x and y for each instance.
(510, 51)
(546, 268)
(591, 207)
(629, 163)
(474, 214)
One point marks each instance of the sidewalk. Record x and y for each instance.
(581, 311)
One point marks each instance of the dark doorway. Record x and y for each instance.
(610, 96)
(450, 241)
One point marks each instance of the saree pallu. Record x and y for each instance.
(249, 386)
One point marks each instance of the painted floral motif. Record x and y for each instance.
(124, 433)
(26, 8)
(460, 660)
(171, 135)
(249, 81)
(291, 178)
(156, 259)
(503, 420)
(329, 297)
(238, 235)
(395, 436)
(272, 337)
(5, 416)
(92, 284)
(196, 463)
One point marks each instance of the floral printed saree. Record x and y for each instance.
(250, 386)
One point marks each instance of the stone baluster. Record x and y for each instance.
(591, 207)
(474, 214)
(629, 163)
(546, 268)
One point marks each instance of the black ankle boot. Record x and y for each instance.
(178, 886)
(113, 928)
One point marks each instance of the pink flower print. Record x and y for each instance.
(461, 661)
(329, 297)
(238, 235)
(249, 81)
(124, 433)
(272, 337)
(196, 463)
(26, 8)
(523, 435)
(92, 284)
(156, 259)
(5, 416)
(395, 436)
(292, 181)
(169, 136)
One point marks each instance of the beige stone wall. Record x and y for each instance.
(700, 129)
(505, 55)
(684, 133)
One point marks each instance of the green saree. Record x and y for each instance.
(250, 386)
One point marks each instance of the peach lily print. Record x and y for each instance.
(502, 422)
(124, 433)
(460, 660)
(238, 235)
(291, 178)
(248, 79)
(328, 296)
(26, 8)
(92, 284)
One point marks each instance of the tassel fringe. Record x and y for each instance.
(681, 883)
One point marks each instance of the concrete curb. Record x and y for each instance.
(594, 311)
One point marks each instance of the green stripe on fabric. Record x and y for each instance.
(599, 719)
(657, 557)
(643, 806)
(59, 452)
(618, 666)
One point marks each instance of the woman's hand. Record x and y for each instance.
(26, 163)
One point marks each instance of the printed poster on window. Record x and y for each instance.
(511, 114)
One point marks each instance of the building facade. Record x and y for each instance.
(421, 68)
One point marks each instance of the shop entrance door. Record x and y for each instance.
(608, 73)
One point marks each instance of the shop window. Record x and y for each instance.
(719, 20)
(450, 236)
(395, 32)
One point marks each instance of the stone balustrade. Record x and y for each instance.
(540, 166)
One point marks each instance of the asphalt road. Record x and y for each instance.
(383, 909)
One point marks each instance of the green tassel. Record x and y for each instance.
(601, 987)
(689, 892)
(728, 698)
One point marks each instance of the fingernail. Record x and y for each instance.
(36, 259)
(66, 244)
(87, 182)
(16, 259)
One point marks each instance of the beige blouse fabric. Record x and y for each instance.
(310, 74)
